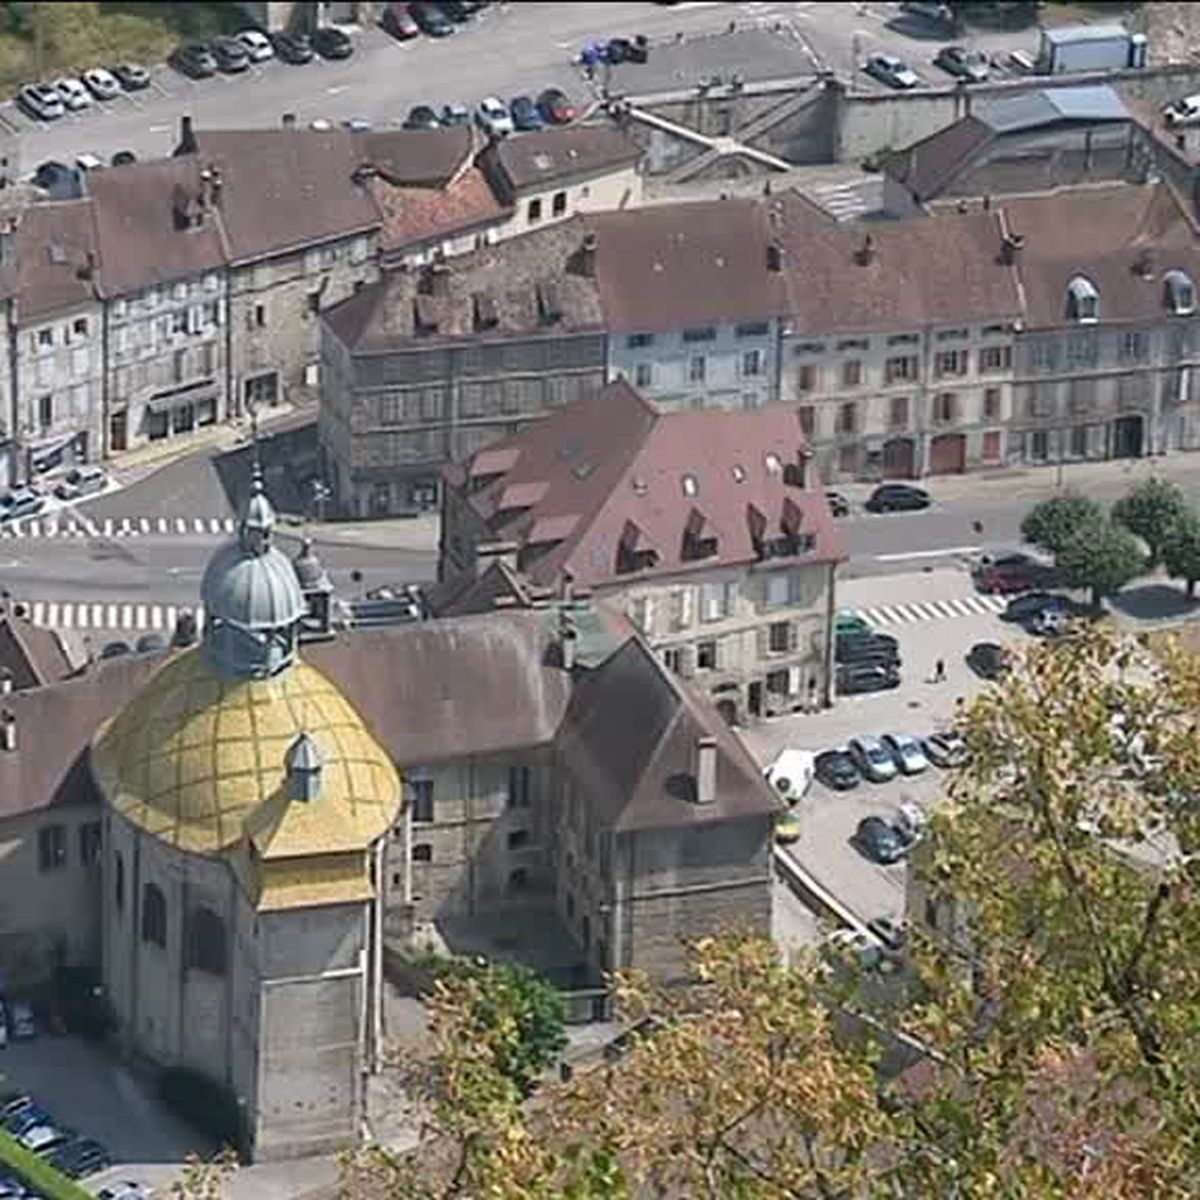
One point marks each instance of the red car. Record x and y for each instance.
(398, 21)
(555, 107)
(1010, 573)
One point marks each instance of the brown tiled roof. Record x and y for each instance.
(285, 188)
(136, 232)
(427, 158)
(1122, 238)
(383, 315)
(413, 215)
(536, 160)
(629, 737)
(55, 257)
(611, 470)
(927, 166)
(33, 656)
(681, 265)
(892, 274)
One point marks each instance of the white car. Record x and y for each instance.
(872, 758)
(72, 93)
(493, 117)
(101, 83)
(892, 71)
(41, 1138)
(1185, 111)
(790, 773)
(910, 820)
(257, 45)
(907, 751)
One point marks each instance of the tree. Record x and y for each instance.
(1052, 523)
(1181, 550)
(1151, 509)
(1102, 558)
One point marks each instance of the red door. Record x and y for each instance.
(948, 454)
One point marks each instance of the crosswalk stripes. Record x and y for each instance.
(932, 610)
(115, 618)
(78, 525)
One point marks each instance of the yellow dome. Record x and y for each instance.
(198, 760)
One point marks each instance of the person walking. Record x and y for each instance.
(939, 671)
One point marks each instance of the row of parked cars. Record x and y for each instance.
(493, 116)
(237, 53)
(49, 101)
(74, 485)
(35, 1128)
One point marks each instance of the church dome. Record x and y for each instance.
(201, 759)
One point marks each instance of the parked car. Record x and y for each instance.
(398, 21)
(27, 1117)
(115, 650)
(151, 643)
(872, 758)
(230, 54)
(43, 1140)
(1021, 62)
(620, 49)
(421, 117)
(889, 69)
(431, 19)
(854, 678)
(1049, 623)
(987, 660)
(21, 1025)
(836, 770)
(847, 622)
(906, 752)
(102, 83)
(525, 115)
(81, 481)
(897, 497)
(556, 106)
(23, 502)
(866, 647)
(910, 821)
(1184, 111)
(1013, 571)
(945, 749)
(1027, 606)
(962, 63)
(787, 829)
(791, 773)
(331, 42)
(453, 115)
(194, 59)
(492, 117)
(256, 45)
(13, 1101)
(81, 1157)
(42, 101)
(357, 124)
(295, 48)
(456, 11)
(72, 93)
(878, 841)
(123, 158)
(133, 77)
(839, 506)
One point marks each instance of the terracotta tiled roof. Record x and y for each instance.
(415, 215)
(55, 257)
(610, 472)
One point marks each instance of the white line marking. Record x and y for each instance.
(108, 527)
(214, 525)
(197, 525)
(180, 525)
(97, 615)
(144, 524)
(37, 613)
(139, 617)
(156, 616)
(111, 617)
(949, 550)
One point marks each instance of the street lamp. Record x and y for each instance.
(320, 496)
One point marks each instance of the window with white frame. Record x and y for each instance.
(697, 368)
(1083, 301)
(752, 362)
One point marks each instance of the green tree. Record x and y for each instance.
(1052, 523)
(1181, 550)
(1151, 509)
(1102, 558)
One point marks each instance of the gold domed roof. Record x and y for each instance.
(200, 761)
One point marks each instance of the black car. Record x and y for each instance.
(230, 54)
(621, 50)
(81, 1157)
(866, 647)
(132, 76)
(897, 497)
(853, 678)
(879, 840)
(431, 19)
(421, 117)
(292, 47)
(194, 59)
(987, 660)
(123, 158)
(1031, 605)
(525, 114)
(329, 42)
(455, 10)
(836, 770)
(115, 650)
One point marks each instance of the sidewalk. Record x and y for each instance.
(402, 533)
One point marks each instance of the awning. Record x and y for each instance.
(41, 452)
(194, 394)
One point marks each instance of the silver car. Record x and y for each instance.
(81, 481)
(907, 752)
(872, 758)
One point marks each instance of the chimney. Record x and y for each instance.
(866, 252)
(6, 681)
(1010, 248)
(987, 203)
(288, 121)
(568, 639)
(8, 730)
(215, 183)
(706, 769)
(774, 256)
(303, 762)
(187, 137)
(566, 589)
(86, 269)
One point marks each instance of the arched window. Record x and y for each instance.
(205, 941)
(1083, 301)
(119, 880)
(154, 915)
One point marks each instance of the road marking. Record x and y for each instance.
(160, 128)
(197, 525)
(334, 91)
(947, 552)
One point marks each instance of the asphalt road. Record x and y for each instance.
(508, 49)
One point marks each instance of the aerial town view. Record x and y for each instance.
(598, 600)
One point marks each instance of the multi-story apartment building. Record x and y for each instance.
(706, 529)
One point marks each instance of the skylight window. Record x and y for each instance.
(1083, 301)
(690, 486)
(1180, 293)
(774, 466)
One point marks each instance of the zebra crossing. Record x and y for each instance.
(117, 618)
(79, 526)
(933, 610)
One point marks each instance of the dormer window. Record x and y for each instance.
(1083, 301)
(1179, 293)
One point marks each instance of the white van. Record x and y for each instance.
(791, 773)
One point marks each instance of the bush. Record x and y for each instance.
(37, 1174)
(204, 1103)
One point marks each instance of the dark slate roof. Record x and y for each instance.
(31, 655)
(928, 165)
(1049, 106)
(591, 473)
(630, 736)
(531, 161)
(416, 157)
(55, 257)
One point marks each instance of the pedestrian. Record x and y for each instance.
(939, 671)
(977, 526)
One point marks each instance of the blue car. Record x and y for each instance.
(27, 1119)
(525, 114)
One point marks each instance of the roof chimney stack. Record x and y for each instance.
(706, 769)
(187, 136)
(215, 184)
(288, 120)
(774, 256)
(866, 253)
(568, 642)
(6, 681)
(8, 730)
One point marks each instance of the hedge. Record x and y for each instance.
(37, 1173)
